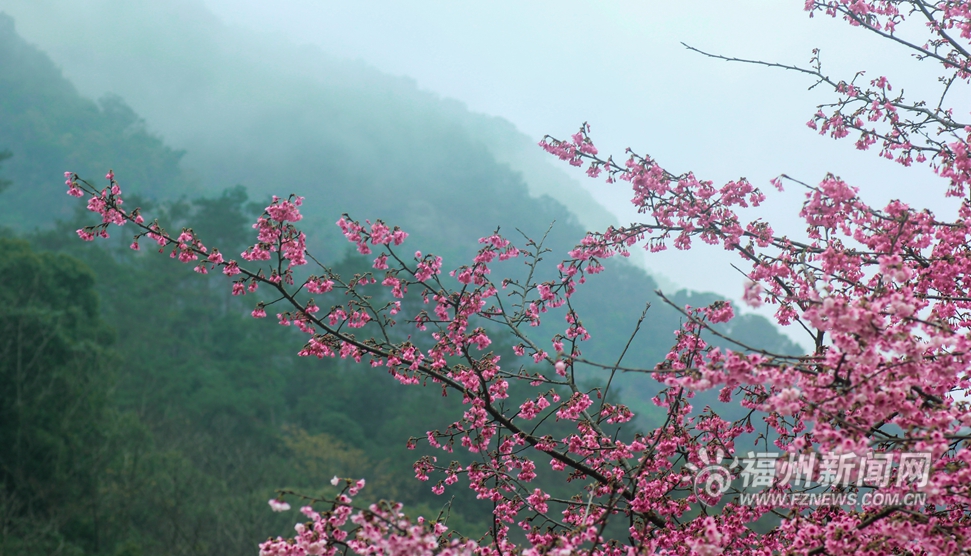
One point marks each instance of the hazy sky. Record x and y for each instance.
(548, 66)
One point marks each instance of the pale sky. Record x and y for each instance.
(547, 66)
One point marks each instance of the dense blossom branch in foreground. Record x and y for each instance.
(882, 292)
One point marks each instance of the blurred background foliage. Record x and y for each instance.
(143, 411)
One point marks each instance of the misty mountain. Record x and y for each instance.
(47, 126)
(197, 412)
(279, 118)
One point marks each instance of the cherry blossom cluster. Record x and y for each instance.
(380, 529)
(882, 293)
(107, 203)
(906, 131)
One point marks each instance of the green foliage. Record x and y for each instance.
(55, 375)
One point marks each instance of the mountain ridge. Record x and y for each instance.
(409, 164)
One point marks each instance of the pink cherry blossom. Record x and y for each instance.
(880, 292)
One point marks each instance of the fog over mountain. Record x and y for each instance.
(277, 118)
(208, 89)
(545, 66)
(156, 416)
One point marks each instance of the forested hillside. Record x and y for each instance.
(163, 427)
(46, 124)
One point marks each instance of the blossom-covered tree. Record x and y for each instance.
(882, 292)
